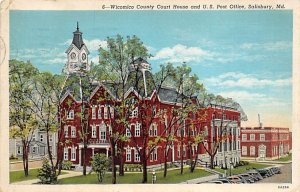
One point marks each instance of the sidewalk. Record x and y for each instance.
(33, 181)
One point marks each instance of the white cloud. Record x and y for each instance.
(235, 79)
(273, 46)
(94, 44)
(254, 99)
(57, 60)
(242, 95)
(182, 53)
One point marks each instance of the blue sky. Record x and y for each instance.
(245, 55)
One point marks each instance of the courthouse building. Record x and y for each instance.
(160, 103)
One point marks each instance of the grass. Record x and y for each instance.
(242, 169)
(17, 176)
(287, 158)
(173, 176)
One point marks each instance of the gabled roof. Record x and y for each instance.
(73, 88)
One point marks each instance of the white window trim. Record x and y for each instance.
(244, 150)
(155, 154)
(154, 129)
(105, 112)
(252, 137)
(262, 136)
(66, 131)
(73, 132)
(66, 153)
(94, 114)
(102, 129)
(134, 113)
(112, 112)
(137, 131)
(244, 137)
(252, 150)
(70, 114)
(128, 133)
(128, 154)
(137, 157)
(73, 152)
(94, 131)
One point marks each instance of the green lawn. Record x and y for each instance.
(17, 176)
(242, 169)
(287, 158)
(173, 176)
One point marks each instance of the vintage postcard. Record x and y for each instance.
(157, 95)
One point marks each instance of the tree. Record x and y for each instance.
(182, 116)
(46, 175)
(45, 99)
(220, 124)
(114, 62)
(100, 164)
(22, 117)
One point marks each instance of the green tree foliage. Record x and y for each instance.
(45, 100)
(21, 110)
(113, 67)
(46, 174)
(100, 164)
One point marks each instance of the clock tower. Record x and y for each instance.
(77, 54)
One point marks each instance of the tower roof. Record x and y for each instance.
(77, 38)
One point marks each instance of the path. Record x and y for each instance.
(68, 174)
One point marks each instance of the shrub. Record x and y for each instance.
(133, 167)
(46, 175)
(100, 164)
(66, 165)
(12, 157)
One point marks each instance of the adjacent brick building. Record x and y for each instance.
(265, 143)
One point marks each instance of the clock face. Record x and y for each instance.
(83, 56)
(73, 55)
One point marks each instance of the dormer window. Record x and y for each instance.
(70, 114)
(154, 111)
(134, 113)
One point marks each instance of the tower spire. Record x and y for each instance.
(77, 26)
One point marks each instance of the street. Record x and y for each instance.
(284, 177)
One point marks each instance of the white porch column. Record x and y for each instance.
(79, 162)
(173, 153)
(106, 151)
(93, 152)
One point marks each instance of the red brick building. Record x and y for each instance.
(265, 143)
(101, 100)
